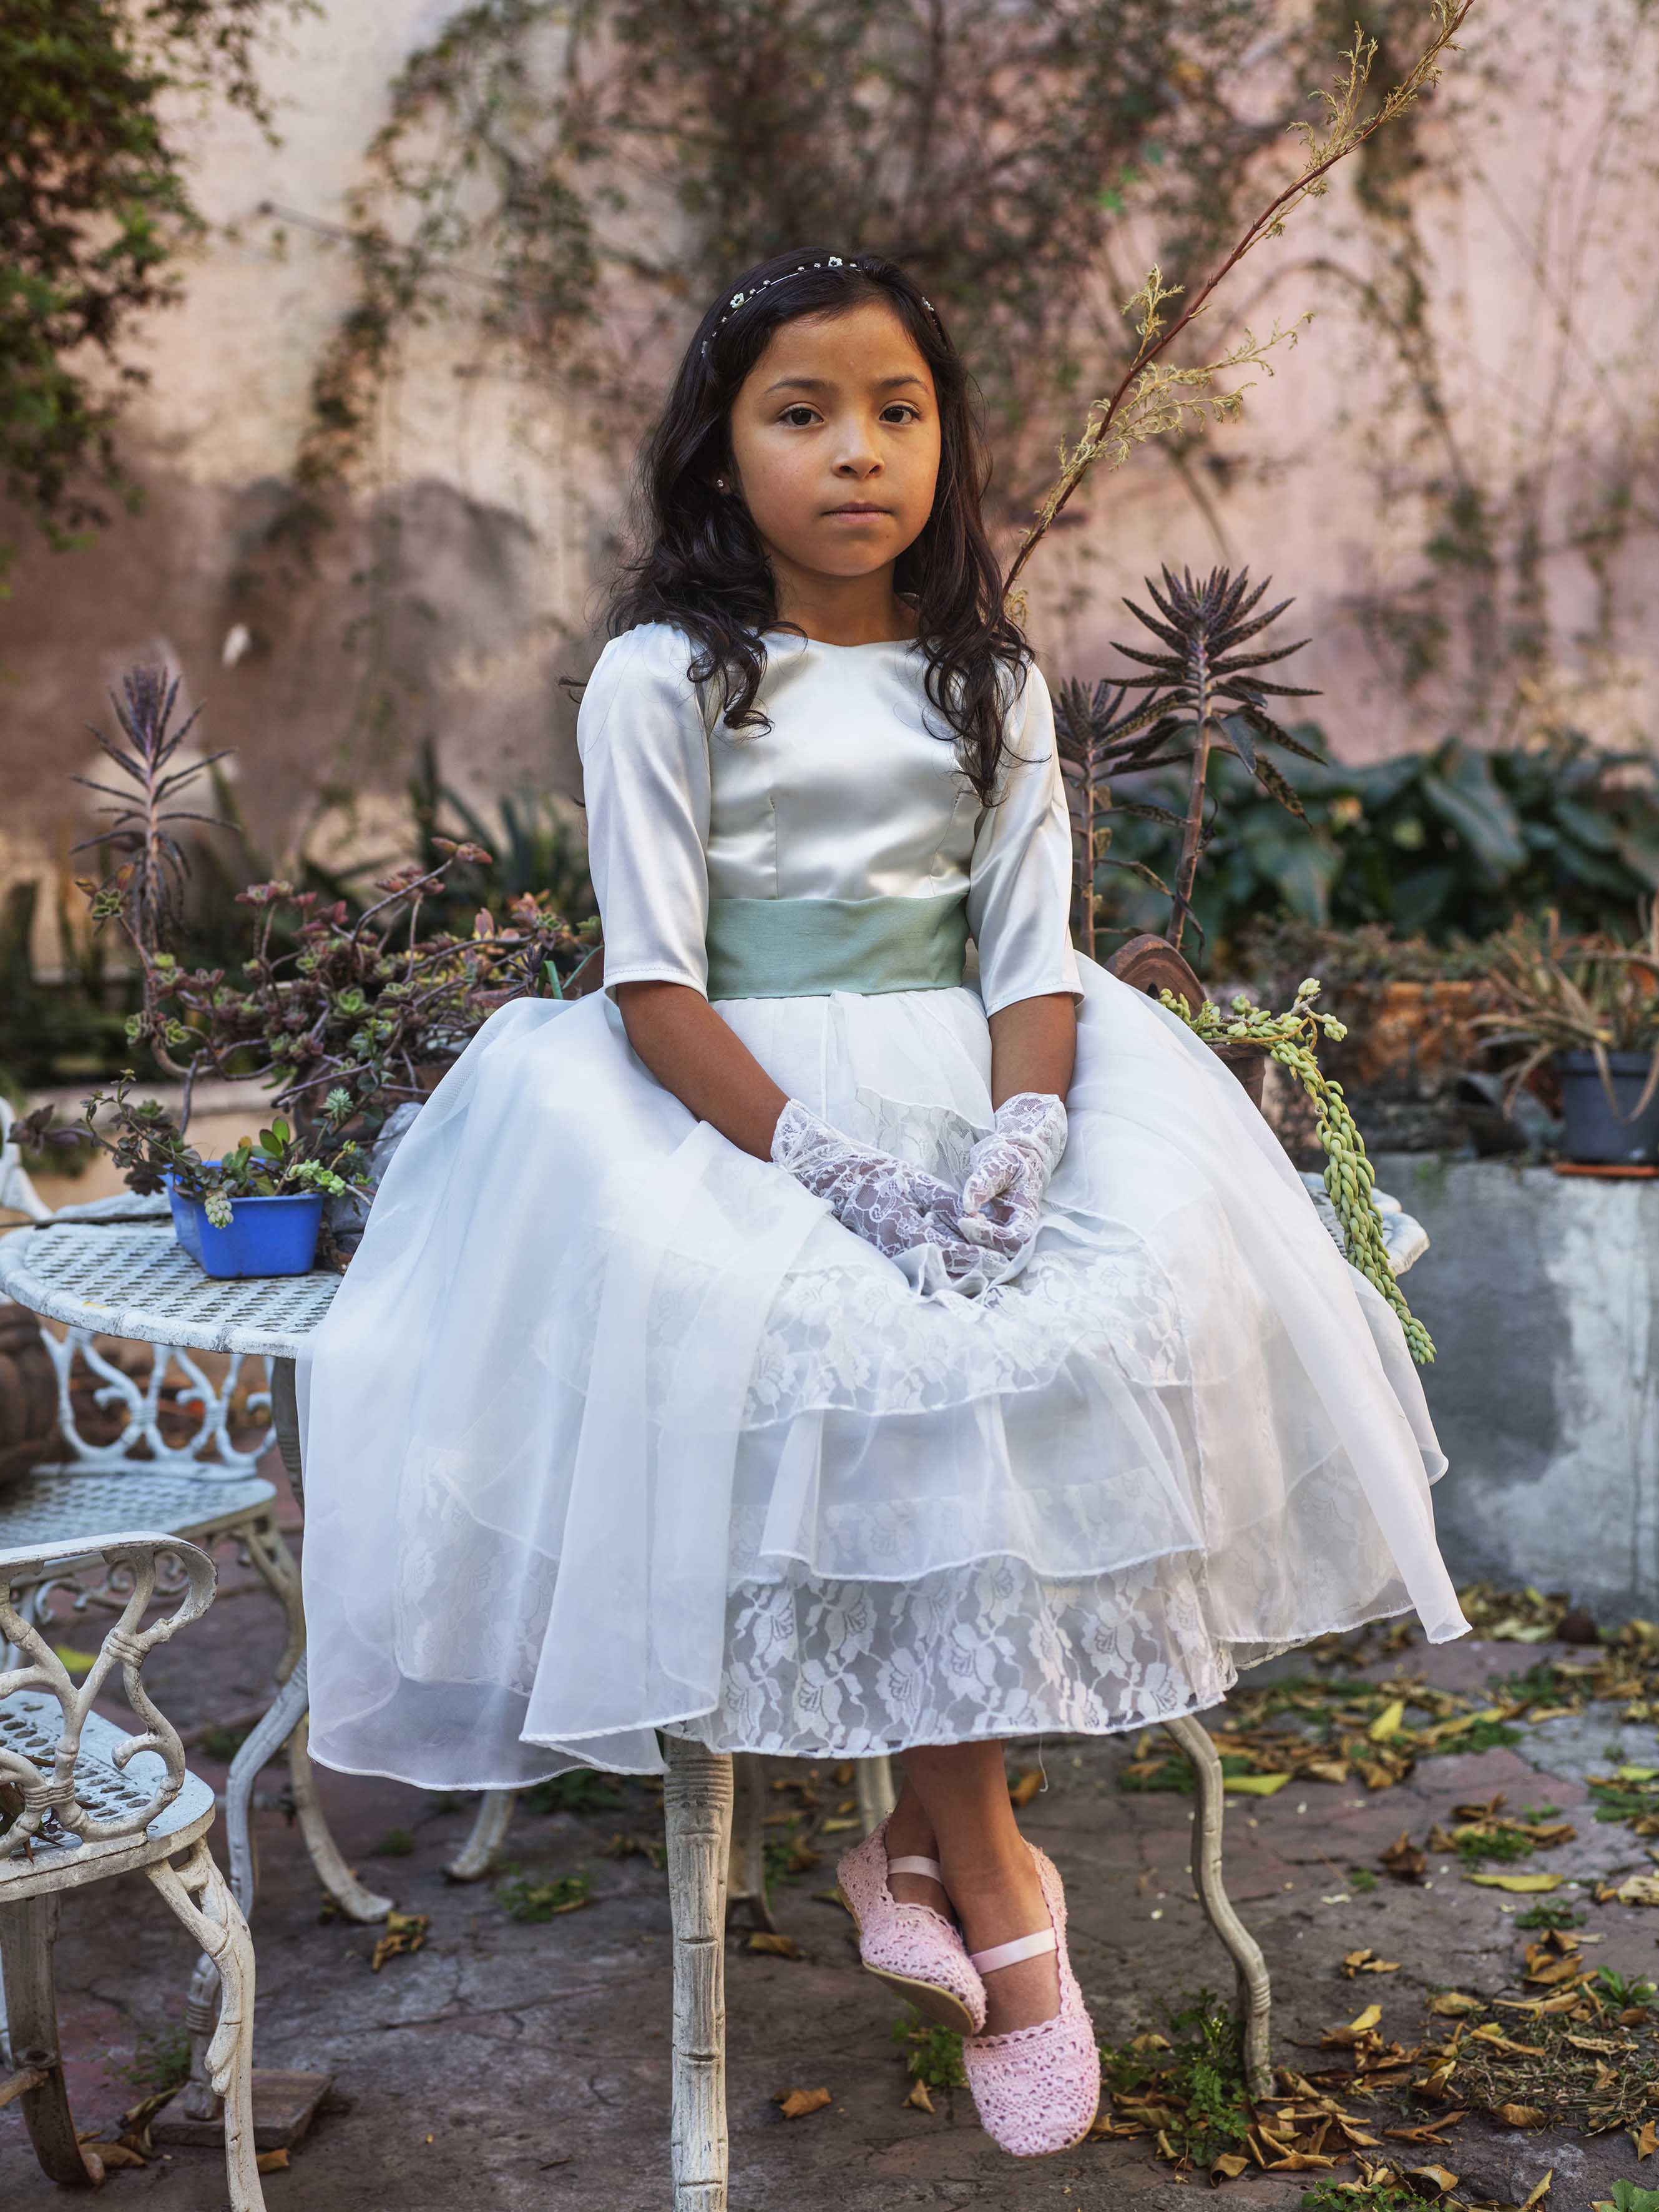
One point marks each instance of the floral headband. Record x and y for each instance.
(835, 261)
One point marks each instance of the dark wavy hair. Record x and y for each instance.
(703, 567)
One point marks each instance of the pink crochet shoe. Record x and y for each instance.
(910, 1947)
(1038, 2088)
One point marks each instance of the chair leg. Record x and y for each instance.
(28, 1931)
(1255, 1995)
(697, 1802)
(199, 1894)
(876, 1794)
(489, 1832)
(746, 1871)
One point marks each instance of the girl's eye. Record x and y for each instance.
(799, 409)
(911, 414)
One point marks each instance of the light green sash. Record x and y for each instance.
(805, 948)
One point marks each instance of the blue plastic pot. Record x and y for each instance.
(266, 1236)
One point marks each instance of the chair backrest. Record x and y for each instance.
(36, 1788)
(1151, 963)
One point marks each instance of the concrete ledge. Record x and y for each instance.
(1539, 1291)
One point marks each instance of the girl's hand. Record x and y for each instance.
(1001, 1202)
(888, 1202)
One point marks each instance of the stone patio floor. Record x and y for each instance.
(524, 2068)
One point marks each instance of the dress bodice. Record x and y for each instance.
(853, 794)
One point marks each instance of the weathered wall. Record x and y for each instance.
(1542, 1293)
(462, 583)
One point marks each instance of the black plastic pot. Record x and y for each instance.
(1591, 1133)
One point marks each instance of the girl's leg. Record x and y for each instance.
(954, 1807)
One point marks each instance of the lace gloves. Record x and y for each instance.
(897, 1207)
(1008, 1171)
(886, 1201)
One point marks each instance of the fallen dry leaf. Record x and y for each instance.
(796, 2103)
(1637, 1889)
(1439, 2180)
(405, 1932)
(1540, 2192)
(272, 2161)
(1367, 1962)
(1645, 2138)
(1253, 1785)
(1403, 1860)
(1024, 1787)
(1229, 2167)
(1340, 2039)
(777, 1947)
(1388, 1723)
(918, 2099)
(1519, 2116)
(1451, 2003)
(114, 2155)
(1429, 2132)
(1530, 1885)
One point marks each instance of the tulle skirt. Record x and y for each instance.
(613, 1428)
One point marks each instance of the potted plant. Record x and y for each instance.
(1587, 1006)
(259, 1211)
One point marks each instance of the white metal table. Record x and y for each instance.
(129, 1278)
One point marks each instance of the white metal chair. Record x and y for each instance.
(82, 1801)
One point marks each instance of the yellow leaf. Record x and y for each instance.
(1452, 2002)
(1356, 2028)
(74, 1662)
(272, 2161)
(1024, 1787)
(838, 1827)
(778, 1946)
(1645, 2138)
(1522, 1885)
(1520, 2116)
(1253, 1785)
(918, 2099)
(1437, 2177)
(1539, 2193)
(1388, 1723)
(1639, 1889)
(797, 2103)
(1228, 2167)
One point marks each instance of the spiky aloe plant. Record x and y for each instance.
(1203, 693)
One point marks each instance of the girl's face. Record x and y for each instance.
(835, 444)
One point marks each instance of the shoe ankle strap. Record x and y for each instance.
(1010, 1954)
(929, 1866)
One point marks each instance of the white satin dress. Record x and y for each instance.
(613, 1428)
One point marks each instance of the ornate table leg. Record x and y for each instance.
(877, 1794)
(489, 1832)
(197, 1892)
(697, 1798)
(745, 1866)
(353, 1900)
(1255, 1996)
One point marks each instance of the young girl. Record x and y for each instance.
(816, 1344)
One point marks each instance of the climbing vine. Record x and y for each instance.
(95, 211)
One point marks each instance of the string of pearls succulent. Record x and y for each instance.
(1289, 1038)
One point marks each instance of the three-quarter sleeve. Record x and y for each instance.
(1020, 878)
(646, 768)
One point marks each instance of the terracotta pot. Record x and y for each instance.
(1404, 1030)
(28, 1395)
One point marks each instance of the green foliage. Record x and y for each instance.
(933, 2055)
(1628, 2196)
(1630, 1793)
(161, 2060)
(95, 213)
(537, 1901)
(1549, 1912)
(1361, 1880)
(223, 1743)
(580, 1791)
(396, 1844)
(1624, 1990)
(1198, 2066)
(1448, 843)
(1367, 2197)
